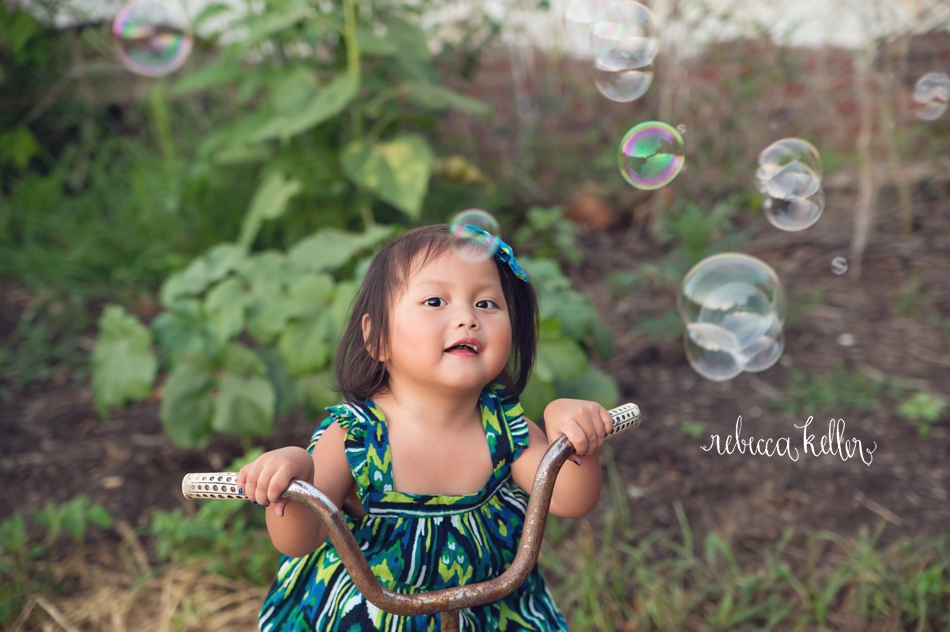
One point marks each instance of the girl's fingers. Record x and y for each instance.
(578, 438)
(279, 507)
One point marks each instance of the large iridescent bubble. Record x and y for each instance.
(628, 29)
(789, 175)
(734, 308)
(651, 155)
(931, 95)
(152, 38)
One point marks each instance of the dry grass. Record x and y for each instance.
(112, 594)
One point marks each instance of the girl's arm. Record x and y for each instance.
(294, 529)
(577, 488)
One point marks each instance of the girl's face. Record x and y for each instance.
(450, 326)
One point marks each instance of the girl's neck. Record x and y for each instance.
(438, 410)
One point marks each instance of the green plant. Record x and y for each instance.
(336, 123)
(817, 394)
(570, 331)
(75, 516)
(292, 305)
(549, 234)
(22, 571)
(692, 233)
(923, 410)
(666, 326)
(693, 429)
(231, 536)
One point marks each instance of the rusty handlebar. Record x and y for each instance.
(448, 601)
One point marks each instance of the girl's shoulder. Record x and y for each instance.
(353, 417)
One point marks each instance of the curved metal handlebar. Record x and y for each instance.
(447, 601)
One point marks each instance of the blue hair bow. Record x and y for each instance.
(503, 252)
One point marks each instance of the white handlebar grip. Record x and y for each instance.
(625, 417)
(211, 485)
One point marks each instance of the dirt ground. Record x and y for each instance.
(54, 446)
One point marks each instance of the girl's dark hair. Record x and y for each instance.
(360, 375)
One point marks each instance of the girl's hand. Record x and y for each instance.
(267, 477)
(586, 424)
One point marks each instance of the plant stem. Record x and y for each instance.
(160, 119)
(356, 130)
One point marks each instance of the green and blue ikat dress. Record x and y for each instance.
(415, 542)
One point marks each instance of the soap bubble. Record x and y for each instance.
(618, 80)
(628, 29)
(932, 93)
(472, 245)
(580, 21)
(715, 364)
(789, 174)
(152, 37)
(839, 265)
(681, 128)
(794, 213)
(651, 155)
(734, 308)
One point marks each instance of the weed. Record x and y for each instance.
(550, 235)
(693, 429)
(923, 410)
(817, 394)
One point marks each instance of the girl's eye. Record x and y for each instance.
(434, 302)
(486, 304)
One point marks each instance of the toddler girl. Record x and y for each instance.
(430, 458)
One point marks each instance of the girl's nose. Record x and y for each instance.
(467, 320)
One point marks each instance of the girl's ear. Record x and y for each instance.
(367, 325)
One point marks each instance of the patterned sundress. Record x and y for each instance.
(416, 542)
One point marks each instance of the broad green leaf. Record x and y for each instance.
(269, 202)
(227, 138)
(305, 345)
(326, 249)
(564, 357)
(575, 313)
(273, 21)
(268, 313)
(372, 236)
(603, 339)
(224, 307)
(438, 97)
(285, 389)
(237, 154)
(412, 49)
(292, 88)
(594, 385)
(246, 398)
(549, 329)
(328, 102)
(181, 330)
(340, 309)
(396, 171)
(240, 360)
(317, 389)
(536, 396)
(123, 366)
(186, 402)
(202, 272)
(372, 44)
(209, 77)
(310, 294)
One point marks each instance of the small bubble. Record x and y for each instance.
(472, 245)
(681, 128)
(931, 93)
(152, 37)
(839, 265)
